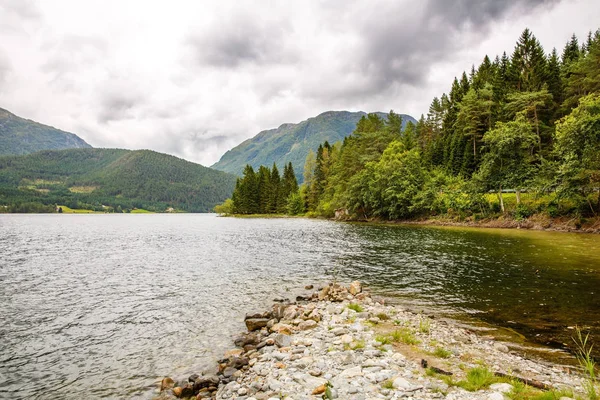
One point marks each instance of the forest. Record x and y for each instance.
(108, 180)
(516, 136)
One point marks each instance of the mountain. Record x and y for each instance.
(23, 136)
(292, 142)
(93, 178)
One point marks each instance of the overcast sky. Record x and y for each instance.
(194, 79)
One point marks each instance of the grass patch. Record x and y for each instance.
(441, 352)
(382, 316)
(355, 307)
(383, 339)
(521, 391)
(140, 211)
(404, 335)
(67, 210)
(82, 189)
(389, 384)
(586, 361)
(357, 345)
(477, 378)
(424, 325)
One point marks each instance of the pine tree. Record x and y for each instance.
(528, 63)
(275, 186)
(264, 190)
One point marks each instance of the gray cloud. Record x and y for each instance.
(211, 75)
(239, 39)
(400, 44)
(117, 104)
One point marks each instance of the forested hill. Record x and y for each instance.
(292, 142)
(102, 179)
(516, 137)
(23, 136)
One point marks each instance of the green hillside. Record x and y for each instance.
(101, 179)
(292, 142)
(22, 136)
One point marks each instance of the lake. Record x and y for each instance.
(106, 305)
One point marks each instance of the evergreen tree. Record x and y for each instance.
(264, 190)
(528, 63)
(275, 202)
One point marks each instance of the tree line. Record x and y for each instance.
(528, 124)
(264, 192)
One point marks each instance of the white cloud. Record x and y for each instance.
(194, 79)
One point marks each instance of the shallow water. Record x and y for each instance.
(106, 305)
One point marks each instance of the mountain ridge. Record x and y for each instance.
(291, 142)
(93, 178)
(20, 136)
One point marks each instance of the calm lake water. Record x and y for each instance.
(106, 305)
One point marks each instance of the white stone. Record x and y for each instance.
(401, 383)
(501, 387)
(346, 338)
(351, 372)
(495, 396)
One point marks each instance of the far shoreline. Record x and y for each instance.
(537, 222)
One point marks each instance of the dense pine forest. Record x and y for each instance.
(516, 136)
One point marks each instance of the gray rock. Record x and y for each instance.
(282, 340)
(339, 331)
(501, 347)
(306, 325)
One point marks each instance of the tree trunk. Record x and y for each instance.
(474, 147)
(518, 193)
(501, 200)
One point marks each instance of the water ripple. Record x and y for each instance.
(105, 305)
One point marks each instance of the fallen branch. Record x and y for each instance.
(528, 382)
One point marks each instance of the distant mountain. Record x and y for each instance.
(292, 142)
(23, 136)
(91, 178)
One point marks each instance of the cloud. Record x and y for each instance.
(397, 45)
(23, 9)
(5, 68)
(237, 39)
(198, 78)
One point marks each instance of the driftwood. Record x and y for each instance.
(528, 382)
(437, 370)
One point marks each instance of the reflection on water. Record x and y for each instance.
(538, 283)
(105, 305)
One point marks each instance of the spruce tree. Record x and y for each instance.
(275, 188)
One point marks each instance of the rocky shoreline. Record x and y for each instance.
(338, 342)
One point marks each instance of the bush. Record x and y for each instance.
(523, 212)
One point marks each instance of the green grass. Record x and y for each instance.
(357, 345)
(404, 335)
(67, 210)
(441, 352)
(521, 391)
(382, 316)
(477, 378)
(141, 211)
(355, 307)
(383, 339)
(388, 384)
(424, 325)
(583, 353)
